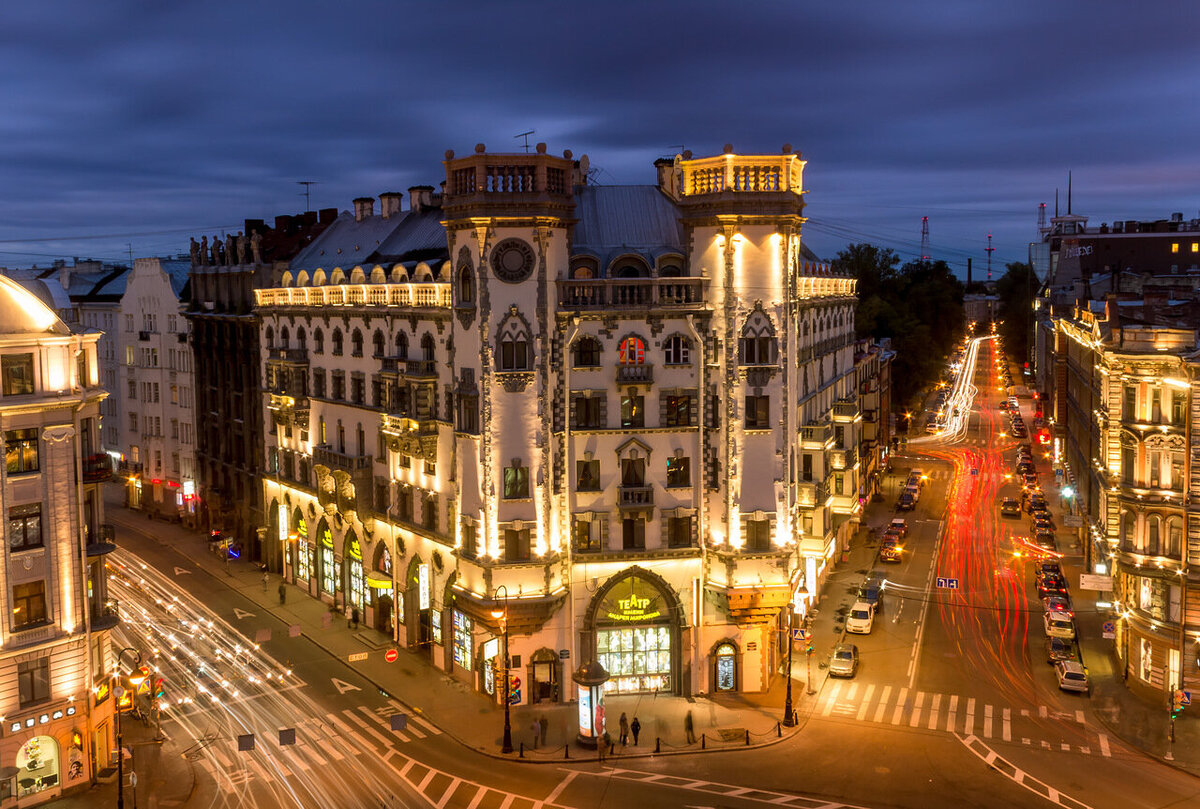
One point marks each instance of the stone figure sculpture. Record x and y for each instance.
(204, 251)
(216, 251)
(256, 246)
(230, 249)
(241, 247)
(194, 249)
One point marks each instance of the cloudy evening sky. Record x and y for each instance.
(128, 126)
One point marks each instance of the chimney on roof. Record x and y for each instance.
(1177, 216)
(420, 197)
(364, 207)
(389, 204)
(668, 177)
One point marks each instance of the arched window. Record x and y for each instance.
(377, 343)
(587, 352)
(513, 349)
(284, 337)
(337, 342)
(677, 350)
(1153, 534)
(318, 342)
(671, 271)
(270, 334)
(1129, 531)
(725, 667)
(301, 335)
(427, 347)
(356, 344)
(401, 346)
(1174, 547)
(631, 271)
(757, 344)
(631, 351)
(466, 285)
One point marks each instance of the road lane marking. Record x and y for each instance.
(915, 718)
(446, 795)
(883, 702)
(987, 721)
(714, 788)
(1080, 718)
(1007, 728)
(476, 798)
(828, 709)
(354, 717)
(952, 718)
(1043, 711)
(562, 785)
(508, 799)
(866, 701)
(1104, 751)
(933, 711)
(1017, 776)
(970, 728)
(362, 744)
(899, 712)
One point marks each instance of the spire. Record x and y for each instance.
(1068, 193)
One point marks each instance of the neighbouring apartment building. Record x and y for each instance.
(1126, 402)
(56, 658)
(624, 418)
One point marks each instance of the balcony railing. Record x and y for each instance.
(105, 616)
(404, 425)
(618, 293)
(636, 374)
(812, 494)
(814, 436)
(328, 456)
(97, 468)
(635, 495)
(421, 369)
(841, 459)
(428, 294)
(847, 409)
(288, 354)
(102, 541)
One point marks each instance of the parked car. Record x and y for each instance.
(1031, 481)
(1010, 507)
(844, 660)
(1060, 605)
(900, 525)
(1060, 649)
(1039, 524)
(1048, 567)
(891, 551)
(1072, 676)
(1058, 626)
(861, 619)
(1045, 540)
(1050, 585)
(906, 502)
(871, 591)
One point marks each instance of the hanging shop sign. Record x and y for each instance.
(423, 585)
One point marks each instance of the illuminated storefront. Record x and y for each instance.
(636, 634)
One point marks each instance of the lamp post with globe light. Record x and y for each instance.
(502, 615)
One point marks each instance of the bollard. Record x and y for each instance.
(703, 739)
(747, 737)
(521, 754)
(657, 745)
(779, 730)
(566, 751)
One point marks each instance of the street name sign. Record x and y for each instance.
(1090, 581)
(357, 656)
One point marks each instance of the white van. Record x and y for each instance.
(861, 618)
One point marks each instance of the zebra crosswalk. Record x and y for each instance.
(954, 713)
(320, 740)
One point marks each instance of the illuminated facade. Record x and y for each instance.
(55, 654)
(1126, 401)
(624, 418)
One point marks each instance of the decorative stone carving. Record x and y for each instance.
(512, 260)
(515, 381)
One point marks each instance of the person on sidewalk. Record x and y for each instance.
(602, 745)
(543, 726)
(689, 727)
(282, 592)
(266, 580)
(623, 725)
(535, 728)
(354, 617)
(635, 728)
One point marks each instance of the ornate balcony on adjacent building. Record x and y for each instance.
(290, 410)
(642, 374)
(423, 295)
(842, 459)
(635, 497)
(328, 456)
(811, 494)
(104, 615)
(294, 356)
(97, 468)
(103, 541)
(846, 410)
(815, 436)
(413, 369)
(623, 293)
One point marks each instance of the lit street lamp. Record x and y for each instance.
(135, 679)
(502, 615)
(789, 716)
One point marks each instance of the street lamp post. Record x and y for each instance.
(120, 737)
(502, 614)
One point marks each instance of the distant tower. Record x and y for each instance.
(924, 238)
(989, 250)
(1042, 221)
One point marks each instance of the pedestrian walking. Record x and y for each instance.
(354, 616)
(535, 727)
(266, 580)
(602, 745)
(635, 728)
(689, 727)
(623, 725)
(282, 592)
(543, 726)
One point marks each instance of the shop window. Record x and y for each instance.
(25, 527)
(726, 667)
(638, 659)
(328, 580)
(357, 584)
(435, 626)
(16, 373)
(29, 605)
(304, 561)
(33, 681)
(516, 481)
(587, 476)
(462, 640)
(679, 471)
(21, 451)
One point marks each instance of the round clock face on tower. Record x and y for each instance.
(512, 261)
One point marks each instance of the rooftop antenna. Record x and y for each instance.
(1042, 221)
(989, 249)
(525, 135)
(924, 238)
(308, 184)
(1068, 193)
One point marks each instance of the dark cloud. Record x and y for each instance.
(134, 117)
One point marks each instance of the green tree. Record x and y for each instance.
(1016, 289)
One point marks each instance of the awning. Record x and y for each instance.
(379, 581)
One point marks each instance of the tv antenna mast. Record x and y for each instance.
(989, 250)
(924, 238)
(525, 135)
(308, 184)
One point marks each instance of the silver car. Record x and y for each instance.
(844, 660)
(1071, 676)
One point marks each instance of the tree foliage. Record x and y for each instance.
(918, 305)
(1016, 289)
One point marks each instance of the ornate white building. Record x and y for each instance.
(55, 655)
(626, 417)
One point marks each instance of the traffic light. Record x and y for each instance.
(160, 689)
(1176, 703)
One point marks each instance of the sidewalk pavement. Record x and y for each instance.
(1138, 723)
